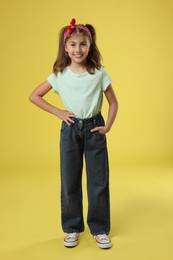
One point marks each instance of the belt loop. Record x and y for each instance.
(94, 122)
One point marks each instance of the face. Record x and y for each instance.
(77, 47)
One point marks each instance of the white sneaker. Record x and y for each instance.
(103, 241)
(71, 239)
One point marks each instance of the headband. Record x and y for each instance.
(73, 26)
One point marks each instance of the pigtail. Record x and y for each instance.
(94, 56)
(62, 59)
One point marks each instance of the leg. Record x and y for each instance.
(71, 176)
(97, 183)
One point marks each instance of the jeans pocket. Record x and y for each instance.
(100, 123)
(64, 127)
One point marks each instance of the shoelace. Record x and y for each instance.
(71, 235)
(103, 237)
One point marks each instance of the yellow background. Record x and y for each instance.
(135, 39)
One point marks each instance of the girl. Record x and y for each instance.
(80, 80)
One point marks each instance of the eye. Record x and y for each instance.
(72, 44)
(83, 44)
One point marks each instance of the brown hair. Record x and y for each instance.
(93, 59)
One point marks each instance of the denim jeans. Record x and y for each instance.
(77, 142)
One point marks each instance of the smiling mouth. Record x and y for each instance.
(78, 55)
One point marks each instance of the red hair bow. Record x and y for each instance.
(72, 26)
(72, 23)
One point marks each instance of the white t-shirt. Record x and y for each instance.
(82, 93)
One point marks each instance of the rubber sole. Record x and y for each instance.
(71, 243)
(104, 245)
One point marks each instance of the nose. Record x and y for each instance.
(78, 48)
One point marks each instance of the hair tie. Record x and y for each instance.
(73, 26)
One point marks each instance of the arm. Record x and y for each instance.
(113, 108)
(36, 97)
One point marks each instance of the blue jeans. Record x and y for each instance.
(76, 142)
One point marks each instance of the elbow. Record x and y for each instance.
(32, 98)
(117, 105)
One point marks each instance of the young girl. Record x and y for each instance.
(80, 80)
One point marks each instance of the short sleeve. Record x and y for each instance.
(52, 79)
(106, 80)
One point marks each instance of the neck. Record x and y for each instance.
(78, 68)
